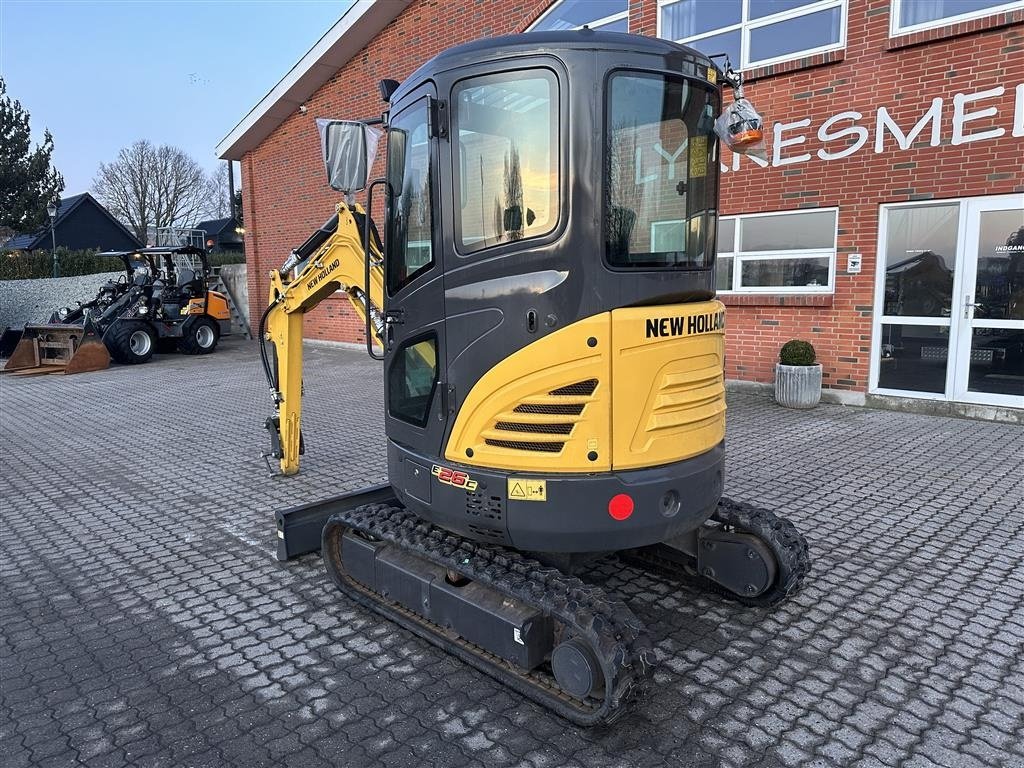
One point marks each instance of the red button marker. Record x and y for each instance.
(620, 507)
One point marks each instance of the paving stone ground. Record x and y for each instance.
(144, 620)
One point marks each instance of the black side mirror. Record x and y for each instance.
(345, 154)
(387, 88)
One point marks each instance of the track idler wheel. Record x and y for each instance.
(745, 553)
(753, 556)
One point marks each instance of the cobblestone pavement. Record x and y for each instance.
(145, 621)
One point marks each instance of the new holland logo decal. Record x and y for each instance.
(709, 322)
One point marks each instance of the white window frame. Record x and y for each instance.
(595, 24)
(739, 257)
(895, 30)
(745, 25)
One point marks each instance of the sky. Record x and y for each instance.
(101, 75)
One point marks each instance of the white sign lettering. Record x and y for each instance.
(970, 120)
(854, 130)
(960, 116)
(1018, 113)
(780, 143)
(885, 122)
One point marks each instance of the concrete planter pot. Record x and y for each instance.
(798, 386)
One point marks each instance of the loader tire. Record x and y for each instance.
(131, 342)
(199, 336)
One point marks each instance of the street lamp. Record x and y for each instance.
(51, 211)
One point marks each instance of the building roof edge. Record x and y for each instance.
(359, 24)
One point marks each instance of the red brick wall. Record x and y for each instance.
(285, 196)
(904, 78)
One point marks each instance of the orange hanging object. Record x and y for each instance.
(741, 128)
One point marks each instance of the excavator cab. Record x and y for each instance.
(544, 306)
(551, 331)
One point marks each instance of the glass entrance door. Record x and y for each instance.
(990, 332)
(949, 317)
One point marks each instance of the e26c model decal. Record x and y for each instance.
(453, 477)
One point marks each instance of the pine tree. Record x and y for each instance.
(28, 181)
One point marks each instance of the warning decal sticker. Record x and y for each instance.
(522, 489)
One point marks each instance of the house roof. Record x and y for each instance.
(215, 226)
(20, 242)
(65, 207)
(357, 27)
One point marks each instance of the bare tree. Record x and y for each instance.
(218, 204)
(153, 186)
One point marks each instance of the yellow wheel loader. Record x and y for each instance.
(543, 303)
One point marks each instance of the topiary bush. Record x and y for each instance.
(797, 352)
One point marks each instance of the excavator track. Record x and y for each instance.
(579, 613)
(786, 543)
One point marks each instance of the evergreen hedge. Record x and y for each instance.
(18, 265)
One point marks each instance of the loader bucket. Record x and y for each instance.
(9, 339)
(57, 349)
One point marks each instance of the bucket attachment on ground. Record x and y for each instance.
(57, 349)
(9, 339)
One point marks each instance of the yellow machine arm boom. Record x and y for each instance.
(338, 264)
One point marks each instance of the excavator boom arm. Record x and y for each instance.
(338, 263)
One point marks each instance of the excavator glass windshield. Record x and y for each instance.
(660, 172)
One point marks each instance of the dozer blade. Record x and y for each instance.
(57, 349)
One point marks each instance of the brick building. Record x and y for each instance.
(887, 226)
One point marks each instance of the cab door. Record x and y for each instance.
(414, 351)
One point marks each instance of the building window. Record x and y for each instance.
(606, 15)
(755, 33)
(914, 15)
(507, 157)
(786, 252)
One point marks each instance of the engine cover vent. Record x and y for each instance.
(520, 445)
(541, 429)
(551, 409)
(579, 389)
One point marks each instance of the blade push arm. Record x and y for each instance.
(337, 263)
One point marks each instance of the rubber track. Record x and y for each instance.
(609, 627)
(782, 537)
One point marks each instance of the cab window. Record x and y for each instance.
(659, 172)
(506, 157)
(412, 379)
(410, 248)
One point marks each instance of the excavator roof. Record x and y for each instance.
(539, 43)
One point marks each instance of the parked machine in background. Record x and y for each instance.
(553, 360)
(163, 295)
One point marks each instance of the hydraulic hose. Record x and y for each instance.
(268, 371)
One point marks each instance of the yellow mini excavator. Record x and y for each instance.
(543, 302)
